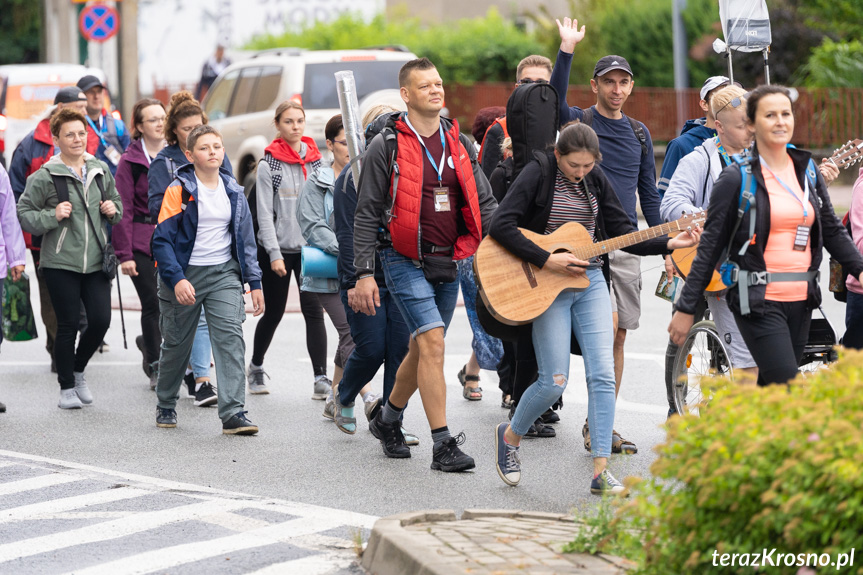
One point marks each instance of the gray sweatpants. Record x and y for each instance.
(220, 289)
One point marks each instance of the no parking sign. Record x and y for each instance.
(98, 22)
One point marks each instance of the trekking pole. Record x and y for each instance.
(122, 320)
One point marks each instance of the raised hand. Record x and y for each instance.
(570, 35)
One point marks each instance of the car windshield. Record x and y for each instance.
(320, 82)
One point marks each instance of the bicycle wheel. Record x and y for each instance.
(701, 357)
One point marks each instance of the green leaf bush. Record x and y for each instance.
(762, 468)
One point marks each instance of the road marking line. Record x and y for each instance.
(40, 482)
(115, 529)
(312, 565)
(69, 503)
(171, 557)
(235, 522)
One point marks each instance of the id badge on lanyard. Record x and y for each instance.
(441, 192)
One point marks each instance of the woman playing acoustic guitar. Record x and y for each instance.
(550, 191)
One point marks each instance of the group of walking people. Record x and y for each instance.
(401, 240)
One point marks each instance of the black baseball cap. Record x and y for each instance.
(69, 94)
(608, 63)
(88, 82)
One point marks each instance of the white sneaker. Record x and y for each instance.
(323, 387)
(81, 389)
(255, 377)
(69, 400)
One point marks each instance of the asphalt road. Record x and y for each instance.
(299, 458)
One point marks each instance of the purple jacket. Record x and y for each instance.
(12, 250)
(134, 231)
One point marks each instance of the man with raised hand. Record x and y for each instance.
(421, 210)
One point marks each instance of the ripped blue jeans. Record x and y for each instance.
(587, 314)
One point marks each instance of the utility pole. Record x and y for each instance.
(60, 32)
(681, 75)
(128, 56)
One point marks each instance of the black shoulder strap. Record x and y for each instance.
(61, 184)
(101, 185)
(639, 133)
(186, 196)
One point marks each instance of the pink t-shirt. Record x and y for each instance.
(786, 214)
(856, 228)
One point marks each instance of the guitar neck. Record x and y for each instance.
(620, 242)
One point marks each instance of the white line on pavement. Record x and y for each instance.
(312, 565)
(64, 504)
(170, 557)
(39, 482)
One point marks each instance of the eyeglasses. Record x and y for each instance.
(72, 136)
(734, 103)
(525, 81)
(156, 120)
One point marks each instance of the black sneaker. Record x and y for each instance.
(206, 395)
(239, 424)
(2, 408)
(448, 457)
(166, 417)
(189, 380)
(391, 438)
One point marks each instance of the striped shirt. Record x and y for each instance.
(572, 204)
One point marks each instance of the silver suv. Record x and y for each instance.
(243, 99)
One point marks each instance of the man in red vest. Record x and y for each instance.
(421, 211)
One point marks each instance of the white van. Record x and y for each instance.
(242, 101)
(26, 91)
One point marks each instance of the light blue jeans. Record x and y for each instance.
(201, 348)
(587, 314)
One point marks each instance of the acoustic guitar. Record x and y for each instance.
(517, 292)
(844, 157)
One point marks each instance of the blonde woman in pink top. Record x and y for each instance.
(783, 235)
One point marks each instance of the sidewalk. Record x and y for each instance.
(482, 542)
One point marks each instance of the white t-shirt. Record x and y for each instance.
(213, 239)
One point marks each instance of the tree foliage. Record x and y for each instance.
(835, 64)
(21, 23)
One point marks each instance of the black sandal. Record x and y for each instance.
(469, 393)
(539, 429)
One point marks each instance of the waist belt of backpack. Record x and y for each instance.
(429, 248)
(746, 279)
(142, 219)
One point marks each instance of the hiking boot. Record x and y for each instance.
(206, 395)
(606, 484)
(239, 424)
(372, 406)
(323, 386)
(344, 416)
(81, 389)
(166, 417)
(448, 457)
(255, 377)
(410, 438)
(69, 399)
(391, 438)
(508, 462)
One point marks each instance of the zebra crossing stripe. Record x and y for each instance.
(40, 482)
(37, 510)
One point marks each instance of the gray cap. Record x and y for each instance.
(711, 84)
(69, 94)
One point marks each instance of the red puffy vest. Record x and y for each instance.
(404, 226)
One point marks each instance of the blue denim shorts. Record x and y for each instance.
(424, 306)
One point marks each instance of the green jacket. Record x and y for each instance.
(69, 244)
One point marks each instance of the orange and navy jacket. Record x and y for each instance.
(35, 149)
(407, 198)
(174, 237)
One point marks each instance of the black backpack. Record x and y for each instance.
(531, 120)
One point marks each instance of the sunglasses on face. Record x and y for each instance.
(734, 103)
(525, 81)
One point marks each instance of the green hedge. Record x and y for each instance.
(762, 468)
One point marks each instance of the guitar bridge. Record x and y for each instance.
(531, 278)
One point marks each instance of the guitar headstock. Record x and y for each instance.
(691, 220)
(848, 155)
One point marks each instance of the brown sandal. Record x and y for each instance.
(621, 445)
(469, 393)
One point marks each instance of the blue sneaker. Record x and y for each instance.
(606, 484)
(166, 417)
(508, 463)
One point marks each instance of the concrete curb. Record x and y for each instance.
(394, 550)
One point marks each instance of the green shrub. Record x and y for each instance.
(762, 468)
(835, 64)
